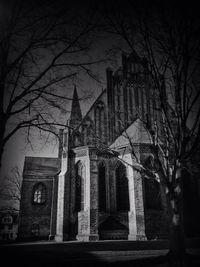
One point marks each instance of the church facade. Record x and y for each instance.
(93, 190)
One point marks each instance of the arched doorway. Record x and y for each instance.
(122, 190)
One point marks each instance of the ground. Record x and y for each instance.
(102, 253)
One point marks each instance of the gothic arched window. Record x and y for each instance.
(89, 134)
(100, 121)
(122, 190)
(118, 97)
(87, 131)
(77, 139)
(131, 100)
(136, 96)
(84, 134)
(102, 186)
(79, 186)
(39, 193)
(132, 95)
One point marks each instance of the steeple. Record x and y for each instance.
(76, 116)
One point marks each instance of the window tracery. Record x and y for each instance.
(100, 120)
(39, 194)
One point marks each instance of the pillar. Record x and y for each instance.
(61, 188)
(53, 209)
(132, 213)
(93, 234)
(84, 215)
(88, 218)
(136, 213)
(139, 206)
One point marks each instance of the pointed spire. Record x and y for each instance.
(76, 115)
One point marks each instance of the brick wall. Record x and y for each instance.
(31, 213)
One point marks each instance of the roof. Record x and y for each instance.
(136, 133)
(41, 165)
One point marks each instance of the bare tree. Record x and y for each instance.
(169, 41)
(10, 190)
(43, 46)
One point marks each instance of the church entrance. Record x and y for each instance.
(112, 229)
(114, 221)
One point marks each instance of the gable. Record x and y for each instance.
(136, 133)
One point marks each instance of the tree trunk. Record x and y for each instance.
(176, 234)
(176, 238)
(1, 153)
(2, 144)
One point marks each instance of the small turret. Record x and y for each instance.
(76, 115)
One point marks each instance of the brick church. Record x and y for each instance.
(92, 191)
